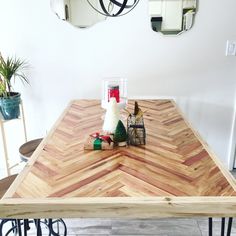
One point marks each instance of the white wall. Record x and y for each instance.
(70, 63)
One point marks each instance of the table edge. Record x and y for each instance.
(230, 178)
(125, 207)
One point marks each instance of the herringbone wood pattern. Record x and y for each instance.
(173, 163)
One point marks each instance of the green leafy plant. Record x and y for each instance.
(11, 68)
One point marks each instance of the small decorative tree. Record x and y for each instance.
(120, 135)
(112, 117)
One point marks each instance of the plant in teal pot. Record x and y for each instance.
(11, 68)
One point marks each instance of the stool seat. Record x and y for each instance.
(27, 149)
(5, 184)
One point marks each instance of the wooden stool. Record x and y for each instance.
(18, 223)
(5, 184)
(27, 149)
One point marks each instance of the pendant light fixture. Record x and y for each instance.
(114, 8)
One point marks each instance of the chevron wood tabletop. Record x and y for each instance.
(174, 174)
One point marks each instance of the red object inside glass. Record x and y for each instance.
(114, 92)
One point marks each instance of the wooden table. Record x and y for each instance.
(174, 175)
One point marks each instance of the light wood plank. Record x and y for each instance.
(113, 207)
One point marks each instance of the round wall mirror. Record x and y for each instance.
(172, 17)
(78, 12)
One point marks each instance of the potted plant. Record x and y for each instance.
(9, 100)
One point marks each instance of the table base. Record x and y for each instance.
(228, 232)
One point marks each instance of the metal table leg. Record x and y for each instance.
(210, 226)
(228, 233)
(223, 226)
(229, 226)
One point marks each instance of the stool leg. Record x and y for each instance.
(26, 226)
(50, 227)
(51, 230)
(1, 226)
(58, 229)
(65, 228)
(38, 227)
(14, 228)
(18, 223)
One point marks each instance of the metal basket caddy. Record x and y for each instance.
(136, 130)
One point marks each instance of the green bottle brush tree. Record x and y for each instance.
(120, 135)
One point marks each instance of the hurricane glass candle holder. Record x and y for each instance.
(114, 87)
